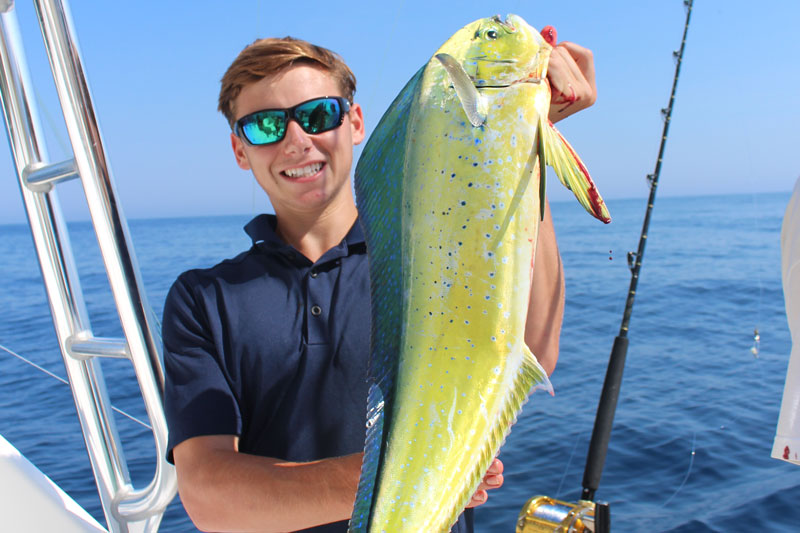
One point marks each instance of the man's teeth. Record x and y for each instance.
(304, 171)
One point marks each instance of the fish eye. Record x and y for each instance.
(491, 34)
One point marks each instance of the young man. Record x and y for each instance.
(266, 354)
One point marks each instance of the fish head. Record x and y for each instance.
(499, 53)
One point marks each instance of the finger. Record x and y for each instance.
(492, 482)
(580, 63)
(583, 57)
(583, 82)
(566, 84)
(479, 498)
(570, 62)
(559, 72)
(550, 35)
(496, 467)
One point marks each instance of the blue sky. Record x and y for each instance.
(154, 70)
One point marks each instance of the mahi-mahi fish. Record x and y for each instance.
(450, 188)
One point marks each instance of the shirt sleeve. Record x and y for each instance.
(198, 399)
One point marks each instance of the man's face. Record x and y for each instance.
(303, 174)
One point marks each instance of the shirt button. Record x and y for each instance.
(314, 273)
(316, 310)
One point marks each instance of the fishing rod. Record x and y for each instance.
(543, 513)
(601, 433)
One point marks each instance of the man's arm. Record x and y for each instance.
(572, 82)
(224, 490)
(546, 307)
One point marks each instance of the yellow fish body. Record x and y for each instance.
(450, 199)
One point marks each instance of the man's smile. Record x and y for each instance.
(303, 172)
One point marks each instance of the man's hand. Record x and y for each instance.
(571, 77)
(492, 480)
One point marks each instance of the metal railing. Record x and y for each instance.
(126, 508)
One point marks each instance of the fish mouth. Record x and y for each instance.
(481, 84)
(484, 84)
(487, 60)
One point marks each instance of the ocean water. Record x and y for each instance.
(697, 412)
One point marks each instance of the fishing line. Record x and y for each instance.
(65, 382)
(755, 349)
(566, 469)
(253, 181)
(54, 128)
(688, 471)
(381, 67)
(722, 427)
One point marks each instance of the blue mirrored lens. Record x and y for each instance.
(318, 115)
(265, 127)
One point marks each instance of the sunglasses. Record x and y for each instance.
(268, 126)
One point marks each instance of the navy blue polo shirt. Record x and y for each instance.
(273, 348)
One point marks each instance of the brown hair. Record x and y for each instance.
(269, 57)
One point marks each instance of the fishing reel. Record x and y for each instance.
(543, 514)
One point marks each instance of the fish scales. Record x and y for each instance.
(449, 195)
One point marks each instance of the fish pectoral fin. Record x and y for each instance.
(469, 96)
(542, 165)
(572, 173)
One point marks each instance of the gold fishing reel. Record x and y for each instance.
(542, 514)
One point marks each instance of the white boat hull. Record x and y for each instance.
(31, 502)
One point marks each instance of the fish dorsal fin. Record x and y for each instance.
(467, 93)
(379, 180)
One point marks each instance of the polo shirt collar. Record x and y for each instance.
(262, 232)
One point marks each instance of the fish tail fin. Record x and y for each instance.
(530, 378)
(571, 172)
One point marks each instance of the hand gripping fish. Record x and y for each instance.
(450, 189)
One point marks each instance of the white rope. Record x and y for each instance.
(34, 365)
